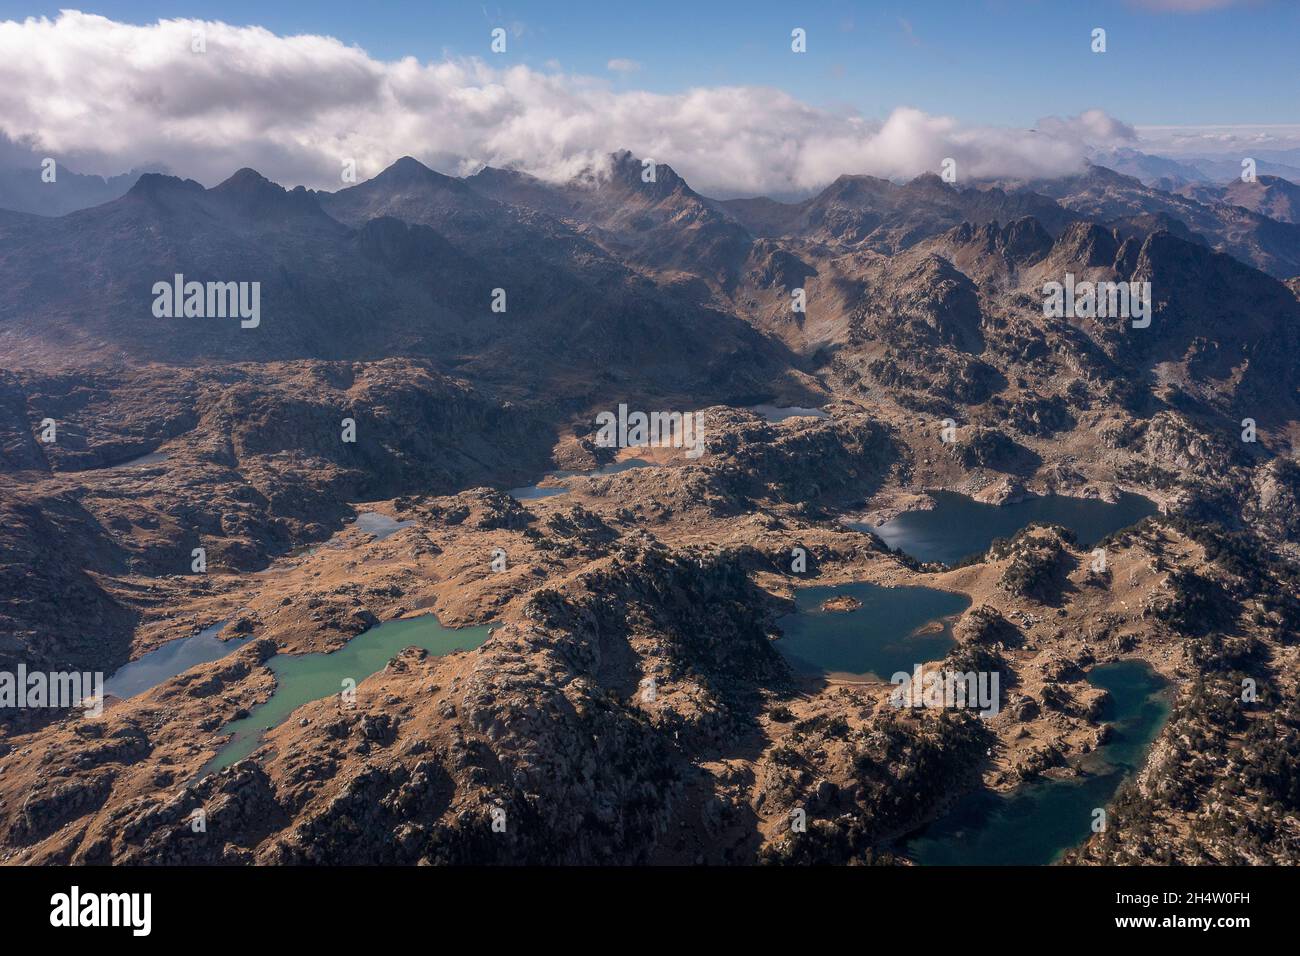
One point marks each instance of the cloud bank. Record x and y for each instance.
(1230, 142)
(103, 97)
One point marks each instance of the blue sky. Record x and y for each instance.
(1002, 87)
(1004, 62)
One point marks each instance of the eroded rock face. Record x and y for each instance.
(1174, 443)
(1276, 503)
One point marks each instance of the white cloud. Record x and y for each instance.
(622, 65)
(1226, 140)
(1089, 127)
(105, 96)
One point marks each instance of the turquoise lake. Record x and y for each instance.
(1037, 822)
(303, 678)
(894, 629)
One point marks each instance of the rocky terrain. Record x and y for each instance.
(632, 704)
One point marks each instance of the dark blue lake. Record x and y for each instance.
(959, 527)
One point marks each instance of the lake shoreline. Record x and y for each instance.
(888, 506)
(1139, 713)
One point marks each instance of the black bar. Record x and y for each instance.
(334, 905)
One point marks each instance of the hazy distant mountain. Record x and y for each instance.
(1157, 170)
(1148, 168)
(1221, 169)
(22, 190)
(1269, 196)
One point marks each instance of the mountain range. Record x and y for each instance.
(465, 332)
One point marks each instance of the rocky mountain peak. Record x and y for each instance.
(928, 183)
(252, 194)
(151, 185)
(1026, 239)
(626, 170)
(1087, 244)
(409, 171)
